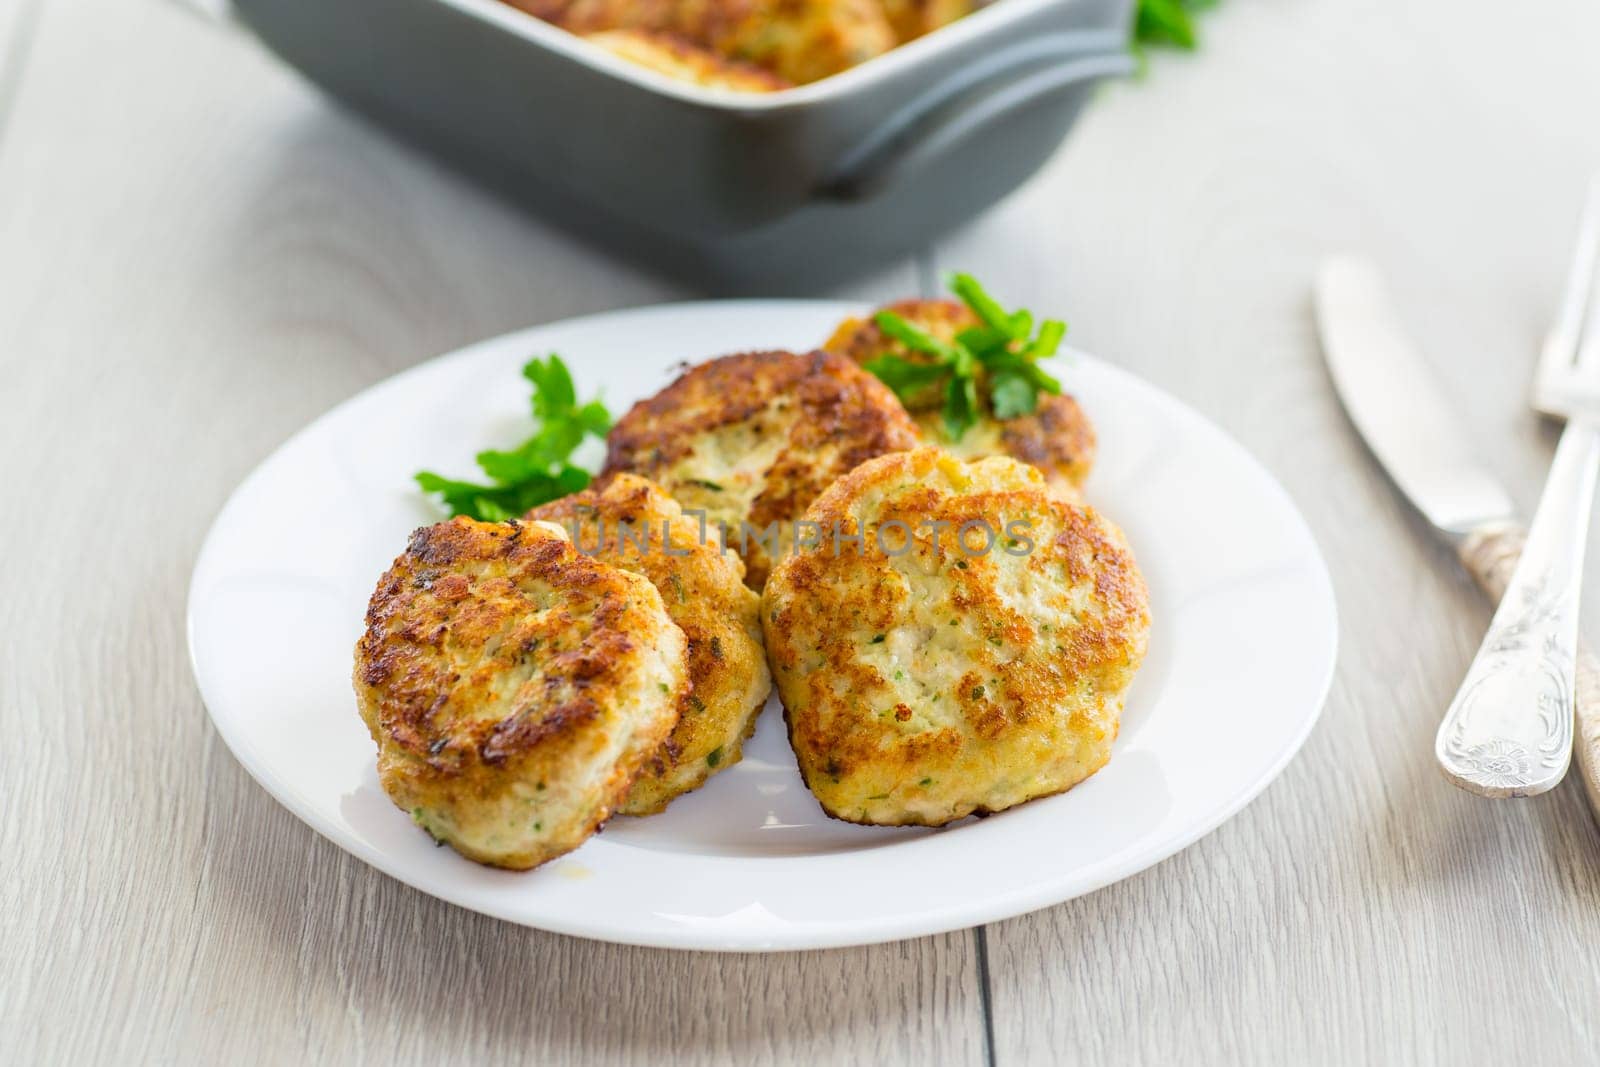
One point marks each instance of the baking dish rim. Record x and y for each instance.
(991, 18)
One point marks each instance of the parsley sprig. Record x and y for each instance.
(998, 357)
(538, 470)
(1168, 22)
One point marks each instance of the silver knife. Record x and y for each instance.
(1392, 399)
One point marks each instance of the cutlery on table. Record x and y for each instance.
(1510, 730)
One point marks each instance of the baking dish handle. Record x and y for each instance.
(927, 129)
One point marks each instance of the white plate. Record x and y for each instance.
(1241, 654)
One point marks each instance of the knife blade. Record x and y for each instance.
(1392, 398)
(1394, 402)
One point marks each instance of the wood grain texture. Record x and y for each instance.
(1361, 910)
(197, 255)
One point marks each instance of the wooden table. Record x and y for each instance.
(198, 254)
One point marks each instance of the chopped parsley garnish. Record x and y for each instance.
(714, 757)
(994, 363)
(538, 470)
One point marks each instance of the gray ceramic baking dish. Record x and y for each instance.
(740, 191)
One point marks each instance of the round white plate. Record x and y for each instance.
(1241, 654)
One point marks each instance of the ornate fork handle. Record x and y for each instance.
(1508, 732)
(1491, 554)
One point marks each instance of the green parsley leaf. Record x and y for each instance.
(1009, 363)
(902, 375)
(960, 407)
(1051, 331)
(553, 392)
(983, 338)
(594, 418)
(1012, 395)
(913, 338)
(992, 366)
(538, 470)
(1164, 22)
(1168, 22)
(986, 307)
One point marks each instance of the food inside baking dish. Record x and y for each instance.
(748, 45)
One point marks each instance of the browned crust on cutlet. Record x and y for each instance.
(1057, 438)
(828, 415)
(702, 587)
(426, 601)
(513, 687)
(1015, 682)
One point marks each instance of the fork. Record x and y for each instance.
(1508, 732)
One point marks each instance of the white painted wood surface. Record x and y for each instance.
(197, 254)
